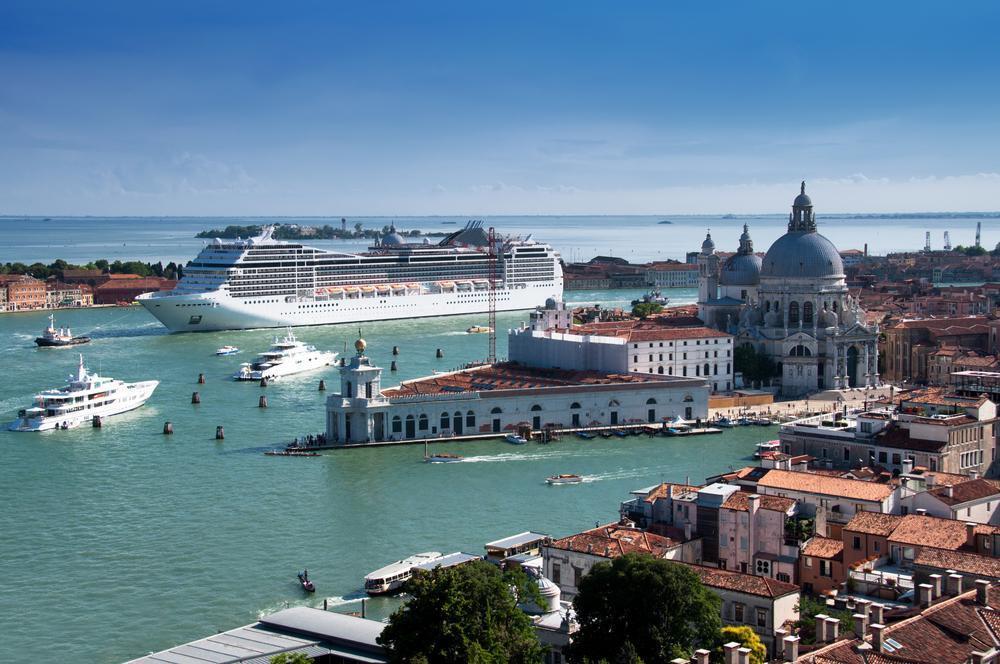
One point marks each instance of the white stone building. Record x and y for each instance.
(798, 311)
(651, 346)
(500, 398)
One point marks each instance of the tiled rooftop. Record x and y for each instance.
(965, 491)
(930, 531)
(823, 547)
(744, 583)
(651, 329)
(740, 501)
(820, 484)
(960, 561)
(666, 488)
(509, 376)
(873, 523)
(613, 540)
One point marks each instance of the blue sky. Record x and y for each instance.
(329, 108)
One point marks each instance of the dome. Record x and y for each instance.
(550, 303)
(393, 238)
(802, 254)
(740, 270)
(802, 200)
(708, 246)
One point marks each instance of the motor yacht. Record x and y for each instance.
(286, 356)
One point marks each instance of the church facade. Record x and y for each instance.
(793, 305)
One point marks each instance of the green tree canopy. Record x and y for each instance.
(646, 309)
(291, 658)
(638, 606)
(467, 613)
(747, 638)
(754, 365)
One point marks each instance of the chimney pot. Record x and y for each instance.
(970, 534)
(861, 606)
(860, 625)
(702, 656)
(730, 652)
(936, 582)
(821, 627)
(954, 584)
(791, 648)
(877, 613)
(832, 629)
(949, 491)
(876, 630)
(744, 655)
(907, 466)
(982, 592)
(779, 642)
(926, 594)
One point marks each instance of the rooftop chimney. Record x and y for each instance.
(753, 501)
(954, 584)
(861, 606)
(877, 613)
(791, 648)
(926, 594)
(744, 655)
(832, 629)
(970, 534)
(936, 582)
(948, 491)
(930, 479)
(730, 653)
(982, 592)
(876, 630)
(779, 643)
(860, 625)
(702, 656)
(978, 657)
(821, 628)
(907, 466)
(973, 474)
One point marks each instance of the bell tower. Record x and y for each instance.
(708, 272)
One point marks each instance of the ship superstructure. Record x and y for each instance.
(264, 282)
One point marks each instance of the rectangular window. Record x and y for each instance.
(857, 543)
(825, 568)
(577, 576)
(737, 612)
(556, 573)
(761, 618)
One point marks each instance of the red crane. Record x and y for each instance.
(492, 297)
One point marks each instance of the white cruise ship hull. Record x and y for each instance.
(132, 396)
(288, 367)
(205, 312)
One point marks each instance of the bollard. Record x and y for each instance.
(168, 428)
(220, 433)
(263, 382)
(322, 385)
(97, 421)
(262, 402)
(195, 397)
(392, 366)
(201, 379)
(440, 353)
(395, 350)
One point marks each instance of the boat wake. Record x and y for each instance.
(621, 474)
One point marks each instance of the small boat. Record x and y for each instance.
(304, 581)
(58, 338)
(674, 431)
(744, 422)
(763, 422)
(227, 350)
(515, 439)
(652, 431)
(605, 434)
(442, 458)
(479, 329)
(769, 446)
(564, 479)
(585, 435)
(724, 422)
(678, 421)
(620, 433)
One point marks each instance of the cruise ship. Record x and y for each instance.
(264, 282)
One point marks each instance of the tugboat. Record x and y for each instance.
(652, 297)
(57, 338)
(304, 581)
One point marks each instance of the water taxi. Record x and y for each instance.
(564, 479)
(390, 579)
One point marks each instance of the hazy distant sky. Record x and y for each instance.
(349, 108)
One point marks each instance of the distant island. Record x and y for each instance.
(326, 232)
(665, 221)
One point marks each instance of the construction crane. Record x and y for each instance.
(947, 242)
(491, 358)
(927, 241)
(979, 228)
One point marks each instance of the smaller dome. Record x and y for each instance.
(802, 200)
(393, 239)
(550, 303)
(360, 345)
(708, 246)
(741, 270)
(550, 594)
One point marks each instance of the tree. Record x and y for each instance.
(646, 309)
(747, 638)
(755, 366)
(467, 613)
(291, 658)
(641, 607)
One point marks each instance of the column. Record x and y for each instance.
(868, 367)
(836, 367)
(876, 380)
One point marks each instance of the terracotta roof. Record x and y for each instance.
(613, 540)
(940, 323)
(965, 491)
(744, 583)
(665, 489)
(949, 631)
(960, 561)
(821, 484)
(932, 531)
(873, 523)
(823, 547)
(511, 376)
(740, 501)
(896, 436)
(661, 328)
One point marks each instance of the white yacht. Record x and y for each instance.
(84, 397)
(391, 578)
(287, 356)
(264, 282)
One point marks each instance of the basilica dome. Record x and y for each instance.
(802, 252)
(740, 270)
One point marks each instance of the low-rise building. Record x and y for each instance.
(500, 398)
(976, 500)
(821, 565)
(672, 274)
(125, 288)
(752, 536)
(24, 292)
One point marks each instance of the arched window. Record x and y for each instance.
(807, 313)
(397, 424)
(650, 402)
(659, 370)
(445, 421)
(422, 422)
(496, 411)
(800, 351)
(767, 306)
(777, 307)
(728, 367)
(793, 313)
(705, 370)
(697, 370)
(684, 370)
(834, 306)
(613, 403)
(349, 395)
(688, 398)
(670, 371)
(574, 405)
(470, 419)
(536, 408)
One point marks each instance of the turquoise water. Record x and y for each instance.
(120, 541)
